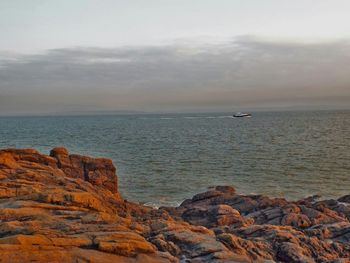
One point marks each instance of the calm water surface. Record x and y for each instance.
(163, 159)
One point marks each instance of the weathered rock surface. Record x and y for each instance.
(67, 208)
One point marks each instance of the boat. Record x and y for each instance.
(241, 115)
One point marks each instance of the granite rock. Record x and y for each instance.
(67, 208)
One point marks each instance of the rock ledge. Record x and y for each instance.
(67, 208)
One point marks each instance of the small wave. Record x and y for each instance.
(221, 117)
(207, 117)
(160, 204)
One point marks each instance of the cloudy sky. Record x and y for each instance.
(73, 56)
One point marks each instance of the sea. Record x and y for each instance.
(163, 159)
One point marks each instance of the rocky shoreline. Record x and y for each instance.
(66, 208)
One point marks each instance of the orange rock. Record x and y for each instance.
(123, 243)
(26, 240)
(67, 208)
(7, 160)
(71, 241)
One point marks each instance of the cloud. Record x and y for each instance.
(246, 72)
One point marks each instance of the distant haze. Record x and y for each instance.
(173, 56)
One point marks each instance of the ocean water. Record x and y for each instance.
(163, 159)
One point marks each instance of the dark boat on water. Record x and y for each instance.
(241, 115)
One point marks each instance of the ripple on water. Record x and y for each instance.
(163, 159)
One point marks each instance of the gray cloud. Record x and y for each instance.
(246, 73)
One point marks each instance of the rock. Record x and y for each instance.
(289, 252)
(225, 189)
(336, 231)
(345, 199)
(59, 152)
(206, 195)
(26, 240)
(222, 215)
(123, 243)
(211, 216)
(194, 244)
(64, 217)
(7, 161)
(18, 254)
(98, 171)
(67, 208)
(247, 249)
(296, 220)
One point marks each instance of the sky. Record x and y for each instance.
(76, 56)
